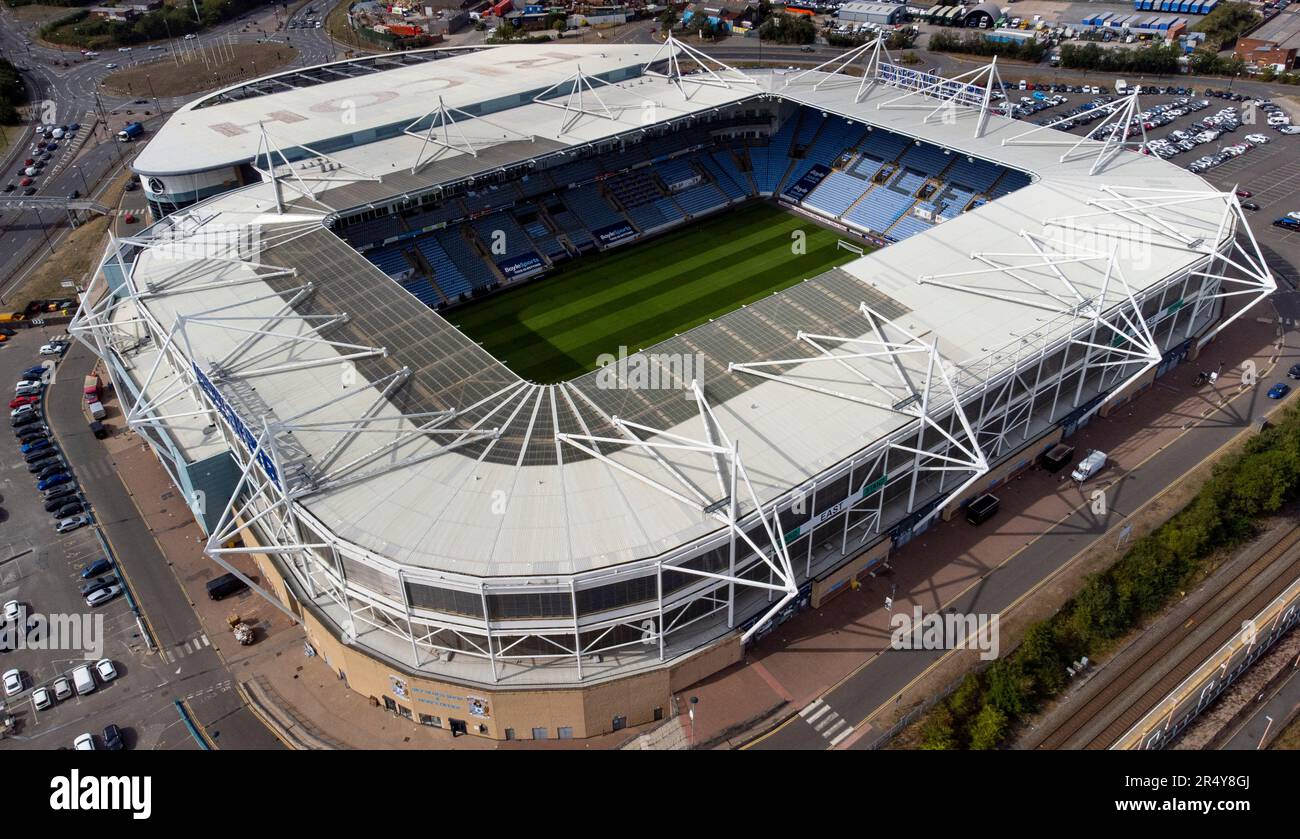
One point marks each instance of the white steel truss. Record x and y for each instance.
(872, 54)
(577, 96)
(729, 470)
(711, 72)
(879, 365)
(308, 177)
(1120, 115)
(1103, 316)
(445, 132)
(1148, 216)
(971, 92)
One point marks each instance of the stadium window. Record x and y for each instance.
(620, 723)
(404, 711)
(564, 732)
(539, 733)
(432, 722)
(659, 714)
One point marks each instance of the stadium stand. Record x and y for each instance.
(566, 202)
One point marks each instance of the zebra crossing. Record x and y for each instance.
(190, 647)
(826, 722)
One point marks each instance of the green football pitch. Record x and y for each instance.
(640, 294)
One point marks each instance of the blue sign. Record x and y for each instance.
(800, 188)
(522, 265)
(614, 233)
(236, 424)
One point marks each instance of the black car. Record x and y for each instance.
(10, 187)
(54, 504)
(113, 738)
(30, 434)
(59, 495)
(44, 463)
(32, 457)
(74, 195)
(31, 190)
(70, 509)
(1294, 372)
(25, 419)
(91, 586)
(55, 468)
(1250, 205)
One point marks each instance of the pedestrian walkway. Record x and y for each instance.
(830, 725)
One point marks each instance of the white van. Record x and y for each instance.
(1093, 462)
(83, 680)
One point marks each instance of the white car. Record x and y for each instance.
(190, 37)
(62, 688)
(123, 49)
(110, 66)
(1257, 139)
(13, 682)
(42, 699)
(84, 743)
(20, 410)
(104, 595)
(107, 672)
(12, 611)
(1289, 129)
(53, 349)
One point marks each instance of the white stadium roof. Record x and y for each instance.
(1013, 274)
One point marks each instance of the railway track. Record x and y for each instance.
(1223, 610)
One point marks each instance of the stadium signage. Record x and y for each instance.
(835, 509)
(522, 265)
(236, 424)
(800, 188)
(614, 233)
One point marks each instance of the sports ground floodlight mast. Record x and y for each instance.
(874, 53)
(729, 470)
(1119, 116)
(896, 394)
(970, 91)
(1138, 206)
(712, 72)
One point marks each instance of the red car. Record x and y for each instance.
(25, 182)
(29, 161)
(1244, 193)
(20, 401)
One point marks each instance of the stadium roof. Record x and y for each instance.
(505, 495)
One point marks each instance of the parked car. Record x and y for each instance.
(69, 510)
(1250, 205)
(53, 481)
(103, 595)
(53, 348)
(62, 688)
(1092, 463)
(13, 611)
(96, 568)
(107, 672)
(13, 680)
(71, 523)
(1294, 372)
(42, 699)
(84, 743)
(113, 738)
(96, 584)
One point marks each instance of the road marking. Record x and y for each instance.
(826, 722)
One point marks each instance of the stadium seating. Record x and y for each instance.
(834, 195)
(446, 274)
(639, 173)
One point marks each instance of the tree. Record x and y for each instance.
(939, 733)
(988, 728)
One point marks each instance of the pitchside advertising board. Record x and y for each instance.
(800, 188)
(613, 233)
(522, 265)
(237, 424)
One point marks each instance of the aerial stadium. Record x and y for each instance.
(536, 382)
